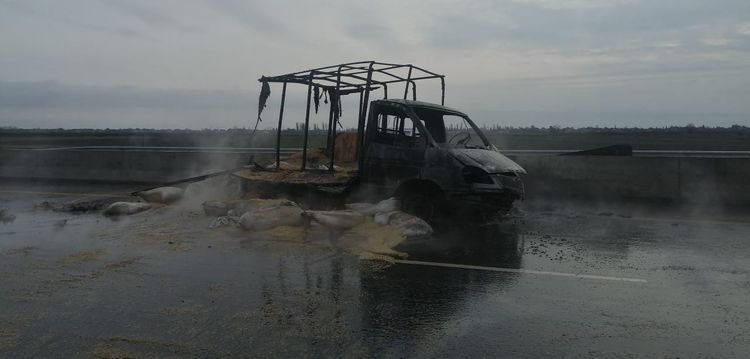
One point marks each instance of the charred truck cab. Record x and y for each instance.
(435, 159)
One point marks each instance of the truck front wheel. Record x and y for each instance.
(422, 205)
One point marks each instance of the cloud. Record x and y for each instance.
(49, 14)
(371, 32)
(574, 4)
(576, 24)
(150, 17)
(715, 41)
(607, 53)
(251, 15)
(52, 104)
(463, 32)
(52, 94)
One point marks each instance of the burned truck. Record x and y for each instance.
(433, 158)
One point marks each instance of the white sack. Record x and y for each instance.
(119, 208)
(368, 209)
(162, 194)
(404, 223)
(336, 219)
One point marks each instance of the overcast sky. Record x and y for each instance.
(195, 63)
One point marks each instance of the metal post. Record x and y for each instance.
(362, 118)
(307, 123)
(413, 90)
(361, 94)
(335, 118)
(408, 80)
(278, 133)
(442, 86)
(361, 102)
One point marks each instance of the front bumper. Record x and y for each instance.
(487, 202)
(490, 197)
(502, 183)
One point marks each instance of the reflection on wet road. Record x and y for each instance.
(87, 286)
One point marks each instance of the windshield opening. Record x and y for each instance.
(450, 129)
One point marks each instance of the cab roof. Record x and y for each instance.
(412, 103)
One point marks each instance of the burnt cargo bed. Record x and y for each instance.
(322, 188)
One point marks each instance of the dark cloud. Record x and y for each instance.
(649, 16)
(513, 24)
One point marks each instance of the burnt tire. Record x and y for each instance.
(422, 205)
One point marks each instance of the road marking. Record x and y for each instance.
(69, 194)
(524, 271)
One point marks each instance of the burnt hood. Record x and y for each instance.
(491, 161)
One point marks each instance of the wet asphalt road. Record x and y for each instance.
(666, 285)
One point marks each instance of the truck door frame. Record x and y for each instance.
(384, 162)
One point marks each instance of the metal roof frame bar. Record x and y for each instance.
(344, 79)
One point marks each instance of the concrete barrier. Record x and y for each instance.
(679, 179)
(113, 165)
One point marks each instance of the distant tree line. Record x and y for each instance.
(597, 129)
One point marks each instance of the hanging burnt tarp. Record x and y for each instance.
(316, 98)
(265, 93)
(335, 102)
